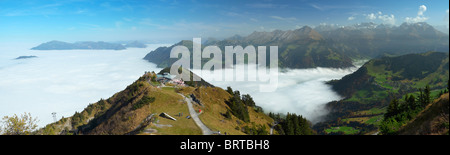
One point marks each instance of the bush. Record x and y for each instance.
(255, 130)
(228, 115)
(143, 102)
(238, 108)
(15, 125)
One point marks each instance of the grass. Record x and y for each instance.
(345, 129)
(375, 120)
(356, 119)
(428, 119)
(373, 111)
(168, 89)
(171, 103)
(334, 56)
(155, 83)
(213, 100)
(359, 95)
(185, 90)
(363, 97)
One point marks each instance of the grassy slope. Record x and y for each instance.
(115, 115)
(431, 120)
(386, 81)
(214, 99)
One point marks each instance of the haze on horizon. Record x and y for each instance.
(169, 21)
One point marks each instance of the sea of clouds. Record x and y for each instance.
(300, 91)
(67, 81)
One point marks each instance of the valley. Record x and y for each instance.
(370, 90)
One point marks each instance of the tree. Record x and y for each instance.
(412, 102)
(440, 93)
(248, 100)
(297, 128)
(228, 115)
(230, 90)
(289, 127)
(392, 108)
(427, 96)
(295, 124)
(23, 125)
(238, 108)
(421, 97)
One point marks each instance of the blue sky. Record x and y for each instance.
(172, 20)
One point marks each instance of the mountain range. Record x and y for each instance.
(372, 40)
(333, 47)
(87, 45)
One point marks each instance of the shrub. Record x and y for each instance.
(143, 102)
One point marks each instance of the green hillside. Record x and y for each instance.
(433, 120)
(370, 90)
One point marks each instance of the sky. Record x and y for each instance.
(169, 21)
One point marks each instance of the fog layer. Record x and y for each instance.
(65, 81)
(301, 91)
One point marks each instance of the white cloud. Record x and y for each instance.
(422, 10)
(266, 6)
(351, 18)
(284, 18)
(317, 7)
(300, 91)
(420, 16)
(416, 19)
(446, 19)
(387, 19)
(371, 16)
(66, 81)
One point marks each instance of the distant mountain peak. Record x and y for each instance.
(306, 28)
(84, 45)
(421, 25)
(136, 44)
(310, 32)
